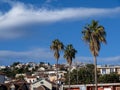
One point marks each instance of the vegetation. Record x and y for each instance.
(12, 71)
(94, 34)
(14, 64)
(109, 78)
(86, 76)
(69, 54)
(57, 46)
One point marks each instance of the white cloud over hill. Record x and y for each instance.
(21, 14)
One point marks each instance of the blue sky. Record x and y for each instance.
(27, 28)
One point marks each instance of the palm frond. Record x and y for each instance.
(94, 34)
(56, 46)
(69, 53)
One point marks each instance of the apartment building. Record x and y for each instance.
(107, 69)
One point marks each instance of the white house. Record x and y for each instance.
(30, 79)
(2, 67)
(41, 82)
(18, 75)
(41, 69)
(108, 69)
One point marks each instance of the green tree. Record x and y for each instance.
(57, 46)
(8, 72)
(41, 64)
(85, 75)
(94, 34)
(109, 78)
(69, 55)
(15, 63)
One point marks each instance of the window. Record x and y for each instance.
(103, 71)
(41, 83)
(12, 89)
(111, 70)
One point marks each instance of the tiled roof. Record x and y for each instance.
(19, 84)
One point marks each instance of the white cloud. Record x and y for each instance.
(21, 14)
(111, 60)
(10, 34)
(36, 53)
(39, 54)
(42, 54)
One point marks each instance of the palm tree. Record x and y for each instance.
(56, 46)
(94, 34)
(69, 55)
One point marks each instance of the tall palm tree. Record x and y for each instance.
(69, 55)
(56, 46)
(94, 34)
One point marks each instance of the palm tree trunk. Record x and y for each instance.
(69, 75)
(95, 64)
(77, 75)
(57, 74)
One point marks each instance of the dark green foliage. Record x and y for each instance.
(15, 63)
(41, 63)
(69, 53)
(109, 78)
(94, 34)
(8, 72)
(86, 76)
(12, 71)
(57, 46)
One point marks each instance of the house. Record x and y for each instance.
(73, 68)
(16, 85)
(41, 88)
(117, 69)
(43, 84)
(2, 67)
(56, 66)
(53, 78)
(19, 65)
(30, 79)
(107, 69)
(19, 75)
(41, 69)
(2, 78)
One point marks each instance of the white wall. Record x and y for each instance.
(39, 83)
